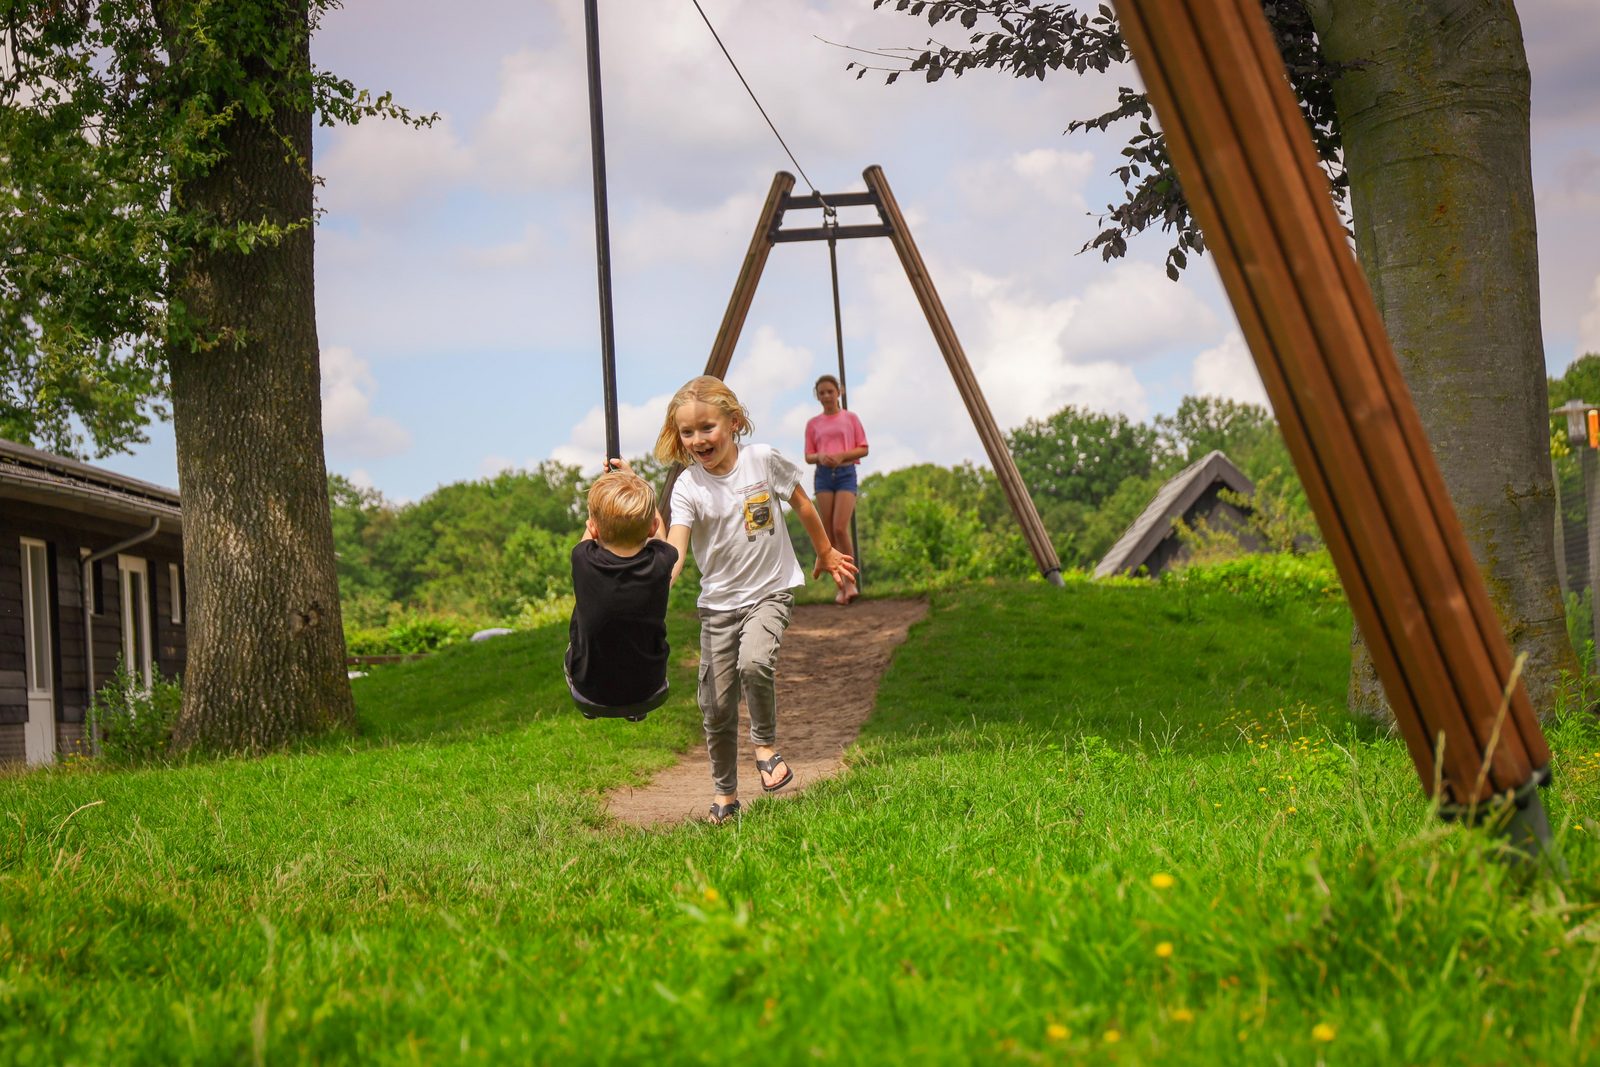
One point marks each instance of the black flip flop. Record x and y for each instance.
(767, 766)
(721, 813)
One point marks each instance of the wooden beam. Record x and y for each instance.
(1240, 145)
(822, 233)
(955, 358)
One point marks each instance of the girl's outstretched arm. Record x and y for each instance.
(829, 559)
(678, 538)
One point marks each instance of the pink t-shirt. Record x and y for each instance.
(835, 433)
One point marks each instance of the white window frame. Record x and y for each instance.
(34, 617)
(175, 579)
(136, 616)
(39, 735)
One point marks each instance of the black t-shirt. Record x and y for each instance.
(618, 651)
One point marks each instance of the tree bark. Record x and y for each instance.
(1433, 107)
(266, 661)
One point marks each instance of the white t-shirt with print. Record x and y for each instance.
(736, 527)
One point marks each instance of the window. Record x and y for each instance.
(175, 584)
(135, 574)
(36, 611)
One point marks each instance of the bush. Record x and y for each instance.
(411, 635)
(135, 724)
(1265, 579)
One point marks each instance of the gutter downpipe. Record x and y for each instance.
(84, 582)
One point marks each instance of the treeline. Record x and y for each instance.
(496, 550)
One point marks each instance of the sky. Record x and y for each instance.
(457, 306)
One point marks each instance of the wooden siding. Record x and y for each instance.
(66, 533)
(13, 665)
(13, 742)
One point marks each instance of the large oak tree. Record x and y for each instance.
(1421, 111)
(156, 209)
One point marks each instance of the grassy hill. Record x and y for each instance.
(1124, 824)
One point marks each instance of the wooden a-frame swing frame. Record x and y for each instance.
(892, 224)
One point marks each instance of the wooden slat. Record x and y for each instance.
(1240, 145)
(822, 233)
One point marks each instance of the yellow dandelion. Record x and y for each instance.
(1289, 811)
(1164, 950)
(1323, 1032)
(1182, 1015)
(1056, 1032)
(1163, 880)
(1111, 1037)
(1261, 789)
(711, 895)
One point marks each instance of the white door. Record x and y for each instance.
(39, 740)
(135, 616)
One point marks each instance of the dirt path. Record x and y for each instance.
(828, 675)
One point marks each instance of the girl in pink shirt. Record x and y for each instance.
(835, 442)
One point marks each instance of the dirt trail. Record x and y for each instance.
(828, 673)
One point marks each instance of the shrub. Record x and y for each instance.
(135, 724)
(410, 635)
(1265, 579)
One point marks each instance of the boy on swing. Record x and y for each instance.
(616, 662)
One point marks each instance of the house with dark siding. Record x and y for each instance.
(91, 573)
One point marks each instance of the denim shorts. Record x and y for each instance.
(835, 479)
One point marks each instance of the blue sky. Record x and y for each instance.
(456, 299)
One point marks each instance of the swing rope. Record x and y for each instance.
(827, 209)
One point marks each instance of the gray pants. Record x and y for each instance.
(739, 655)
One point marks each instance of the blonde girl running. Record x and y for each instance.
(728, 508)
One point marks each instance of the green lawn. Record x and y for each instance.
(1100, 824)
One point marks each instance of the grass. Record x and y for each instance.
(1105, 824)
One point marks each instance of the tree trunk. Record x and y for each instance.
(1433, 111)
(266, 646)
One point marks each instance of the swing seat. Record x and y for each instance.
(630, 712)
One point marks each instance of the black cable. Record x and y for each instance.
(759, 108)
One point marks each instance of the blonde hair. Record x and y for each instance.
(622, 507)
(706, 390)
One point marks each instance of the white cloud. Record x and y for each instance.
(761, 376)
(660, 233)
(637, 428)
(348, 423)
(1137, 313)
(1037, 182)
(1589, 324)
(380, 166)
(490, 466)
(1229, 371)
(536, 131)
